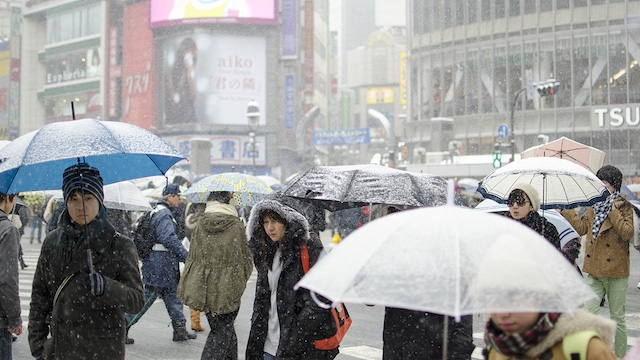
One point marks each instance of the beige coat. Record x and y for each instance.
(607, 256)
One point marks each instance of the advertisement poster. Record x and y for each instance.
(210, 79)
(180, 12)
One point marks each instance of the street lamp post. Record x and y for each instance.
(253, 117)
(512, 136)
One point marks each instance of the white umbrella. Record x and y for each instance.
(449, 260)
(560, 183)
(565, 230)
(123, 195)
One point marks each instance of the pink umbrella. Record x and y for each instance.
(565, 148)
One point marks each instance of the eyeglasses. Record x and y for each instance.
(517, 200)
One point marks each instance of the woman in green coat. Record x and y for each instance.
(77, 311)
(216, 273)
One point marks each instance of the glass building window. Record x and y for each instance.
(437, 15)
(530, 7)
(500, 9)
(563, 72)
(514, 7)
(562, 4)
(581, 71)
(472, 12)
(617, 70)
(579, 3)
(446, 15)
(74, 24)
(459, 11)
(485, 12)
(599, 79)
(546, 5)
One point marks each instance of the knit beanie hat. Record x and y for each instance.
(531, 192)
(82, 176)
(612, 175)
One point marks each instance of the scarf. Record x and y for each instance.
(218, 207)
(73, 235)
(518, 344)
(601, 211)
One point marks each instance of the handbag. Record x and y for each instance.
(339, 313)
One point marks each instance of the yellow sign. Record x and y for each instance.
(403, 77)
(380, 95)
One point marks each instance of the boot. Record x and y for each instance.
(31, 240)
(22, 264)
(129, 340)
(195, 321)
(180, 332)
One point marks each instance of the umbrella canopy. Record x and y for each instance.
(123, 195)
(565, 148)
(423, 259)
(272, 182)
(343, 187)
(565, 230)
(560, 183)
(247, 189)
(120, 151)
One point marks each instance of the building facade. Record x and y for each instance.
(469, 59)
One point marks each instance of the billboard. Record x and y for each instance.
(210, 78)
(189, 12)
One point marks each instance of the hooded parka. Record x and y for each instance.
(551, 347)
(301, 320)
(219, 263)
(77, 324)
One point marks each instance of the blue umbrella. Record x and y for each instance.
(120, 151)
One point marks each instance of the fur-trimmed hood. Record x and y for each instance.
(567, 324)
(297, 224)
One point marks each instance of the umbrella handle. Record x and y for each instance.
(90, 261)
(320, 303)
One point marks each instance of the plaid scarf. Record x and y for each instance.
(601, 211)
(72, 237)
(518, 344)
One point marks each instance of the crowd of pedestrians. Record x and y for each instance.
(89, 290)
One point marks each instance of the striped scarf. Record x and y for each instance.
(518, 344)
(601, 211)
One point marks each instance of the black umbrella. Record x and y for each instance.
(343, 187)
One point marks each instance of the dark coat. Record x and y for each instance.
(80, 325)
(301, 320)
(161, 268)
(9, 296)
(542, 226)
(417, 335)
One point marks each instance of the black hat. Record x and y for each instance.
(171, 189)
(82, 176)
(612, 175)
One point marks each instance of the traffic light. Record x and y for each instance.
(497, 156)
(548, 88)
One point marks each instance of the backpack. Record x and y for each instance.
(635, 239)
(339, 313)
(140, 233)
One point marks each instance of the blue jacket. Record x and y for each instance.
(161, 267)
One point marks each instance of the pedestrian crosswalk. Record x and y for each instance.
(32, 252)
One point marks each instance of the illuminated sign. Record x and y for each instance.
(183, 12)
(617, 117)
(340, 137)
(380, 95)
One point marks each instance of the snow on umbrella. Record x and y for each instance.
(343, 187)
(424, 259)
(121, 151)
(565, 148)
(561, 184)
(247, 189)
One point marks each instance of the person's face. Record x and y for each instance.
(609, 186)
(173, 200)
(515, 323)
(519, 206)
(274, 229)
(79, 214)
(189, 59)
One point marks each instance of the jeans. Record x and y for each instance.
(5, 344)
(222, 342)
(36, 225)
(616, 290)
(268, 356)
(171, 302)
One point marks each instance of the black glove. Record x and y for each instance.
(94, 283)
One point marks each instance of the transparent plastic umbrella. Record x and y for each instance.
(123, 195)
(247, 189)
(449, 260)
